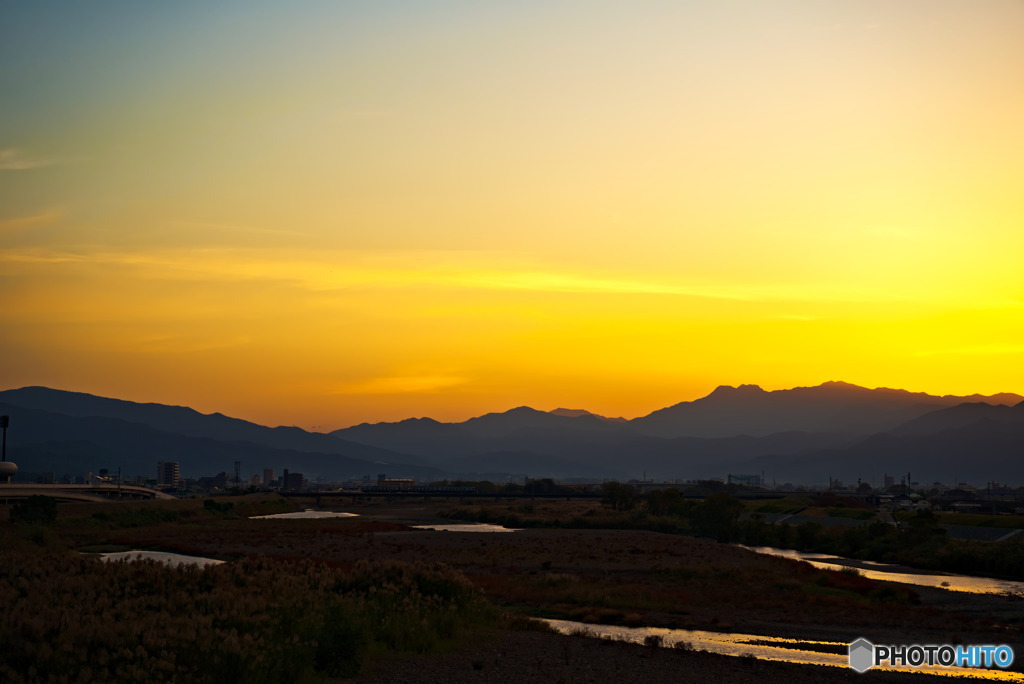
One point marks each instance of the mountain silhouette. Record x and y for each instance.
(425, 437)
(981, 451)
(180, 420)
(830, 407)
(734, 429)
(960, 416)
(95, 433)
(577, 413)
(497, 425)
(805, 434)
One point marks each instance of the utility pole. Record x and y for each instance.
(4, 422)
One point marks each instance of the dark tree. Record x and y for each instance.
(35, 510)
(619, 496)
(716, 517)
(668, 502)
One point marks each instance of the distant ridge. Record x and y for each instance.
(726, 431)
(802, 434)
(829, 407)
(579, 413)
(177, 419)
(73, 432)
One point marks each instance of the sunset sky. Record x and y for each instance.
(324, 213)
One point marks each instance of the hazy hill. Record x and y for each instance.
(500, 465)
(577, 413)
(734, 429)
(830, 407)
(520, 429)
(498, 425)
(48, 441)
(595, 451)
(185, 421)
(424, 437)
(805, 434)
(979, 452)
(960, 416)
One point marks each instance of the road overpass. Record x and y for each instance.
(70, 492)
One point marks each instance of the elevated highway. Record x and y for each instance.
(70, 492)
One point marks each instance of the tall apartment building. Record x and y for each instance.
(168, 473)
(293, 481)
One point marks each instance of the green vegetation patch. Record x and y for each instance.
(139, 517)
(1012, 522)
(852, 513)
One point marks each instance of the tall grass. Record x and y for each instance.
(74, 618)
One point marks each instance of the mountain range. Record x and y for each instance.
(804, 434)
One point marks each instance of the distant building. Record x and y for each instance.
(168, 473)
(293, 481)
(268, 476)
(219, 481)
(385, 481)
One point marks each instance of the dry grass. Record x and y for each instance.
(70, 617)
(615, 576)
(623, 576)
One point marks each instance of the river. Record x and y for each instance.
(803, 652)
(892, 573)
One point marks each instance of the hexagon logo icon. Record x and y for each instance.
(862, 655)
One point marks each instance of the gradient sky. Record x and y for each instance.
(323, 213)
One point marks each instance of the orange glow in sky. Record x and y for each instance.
(330, 213)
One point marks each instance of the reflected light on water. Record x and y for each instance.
(304, 515)
(468, 527)
(888, 573)
(161, 556)
(800, 651)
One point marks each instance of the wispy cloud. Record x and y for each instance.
(343, 270)
(28, 222)
(405, 384)
(550, 281)
(233, 228)
(13, 159)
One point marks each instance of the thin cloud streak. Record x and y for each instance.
(230, 228)
(13, 159)
(406, 384)
(27, 222)
(341, 271)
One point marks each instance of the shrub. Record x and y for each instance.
(653, 640)
(217, 507)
